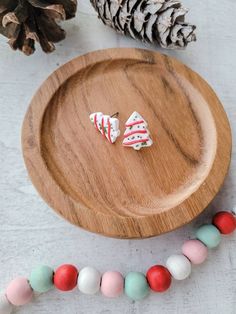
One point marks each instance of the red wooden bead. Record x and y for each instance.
(159, 278)
(65, 277)
(225, 222)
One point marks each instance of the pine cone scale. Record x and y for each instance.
(11, 30)
(18, 16)
(70, 6)
(10, 18)
(49, 27)
(56, 9)
(6, 5)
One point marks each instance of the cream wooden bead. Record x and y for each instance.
(179, 266)
(5, 306)
(89, 280)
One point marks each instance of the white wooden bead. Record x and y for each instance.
(5, 306)
(89, 280)
(179, 266)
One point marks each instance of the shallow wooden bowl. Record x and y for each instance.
(110, 189)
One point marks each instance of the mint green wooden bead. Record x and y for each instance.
(41, 279)
(209, 235)
(136, 286)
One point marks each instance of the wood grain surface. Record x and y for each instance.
(110, 189)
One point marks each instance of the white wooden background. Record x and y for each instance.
(31, 233)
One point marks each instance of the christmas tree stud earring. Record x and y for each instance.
(136, 134)
(107, 125)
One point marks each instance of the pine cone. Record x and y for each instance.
(27, 21)
(160, 21)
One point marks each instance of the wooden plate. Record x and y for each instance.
(110, 189)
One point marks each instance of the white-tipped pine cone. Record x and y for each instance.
(157, 21)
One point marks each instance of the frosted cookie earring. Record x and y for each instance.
(107, 125)
(136, 134)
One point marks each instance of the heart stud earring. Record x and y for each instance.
(136, 134)
(107, 125)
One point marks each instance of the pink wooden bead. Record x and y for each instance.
(112, 284)
(195, 251)
(19, 291)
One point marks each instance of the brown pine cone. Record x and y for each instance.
(26, 21)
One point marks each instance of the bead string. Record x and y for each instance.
(136, 285)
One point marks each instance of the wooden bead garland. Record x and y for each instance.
(112, 284)
(179, 266)
(159, 278)
(209, 235)
(65, 277)
(41, 279)
(225, 222)
(195, 251)
(19, 291)
(89, 280)
(136, 285)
